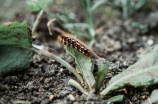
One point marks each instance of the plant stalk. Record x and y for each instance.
(61, 61)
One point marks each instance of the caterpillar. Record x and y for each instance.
(74, 44)
(69, 40)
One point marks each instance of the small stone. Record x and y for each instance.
(143, 97)
(100, 62)
(61, 69)
(51, 97)
(134, 98)
(14, 78)
(117, 45)
(131, 40)
(25, 77)
(109, 75)
(30, 85)
(150, 42)
(71, 97)
(47, 80)
(7, 79)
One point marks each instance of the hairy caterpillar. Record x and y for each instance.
(74, 44)
(69, 40)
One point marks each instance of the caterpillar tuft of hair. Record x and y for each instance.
(74, 44)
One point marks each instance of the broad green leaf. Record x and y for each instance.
(102, 72)
(154, 96)
(84, 65)
(13, 58)
(34, 8)
(15, 42)
(142, 73)
(115, 99)
(16, 34)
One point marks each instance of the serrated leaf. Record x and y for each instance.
(15, 47)
(84, 65)
(142, 73)
(16, 34)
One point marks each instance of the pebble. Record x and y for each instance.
(7, 79)
(131, 40)
(30, 85)
(51, 97)
(150, 42)
(25, 77)
(134, 98)
(14, 78)
(143, 97)
(71, 97)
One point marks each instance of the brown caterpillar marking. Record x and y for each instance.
(74, 44)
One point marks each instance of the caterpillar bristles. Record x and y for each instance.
(74, 44)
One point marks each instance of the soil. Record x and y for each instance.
(45, 82)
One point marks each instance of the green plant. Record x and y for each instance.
(34, 8)
(89, 25)
(16, 44)
(129, 7)
(84, 67)
(143, 28)
(19, 38)
(134, 75)
(118, 64)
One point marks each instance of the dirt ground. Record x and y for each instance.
(46, 78)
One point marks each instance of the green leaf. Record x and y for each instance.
(77, 85)
(16, 34)
(84, 65)
(102, 72)
(154, 96)
(34, 8)
(97, 4)
(79, 25)
(15, 47)
(13, 58)
(114, 99)
(142, 73)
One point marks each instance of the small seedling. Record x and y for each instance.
(128, 7)
(118, 64)
(143, 28)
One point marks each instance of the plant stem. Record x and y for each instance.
(61, 61)
(91, 43)
(89, 18)
(37, 22)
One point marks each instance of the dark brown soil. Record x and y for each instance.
(47, 78)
